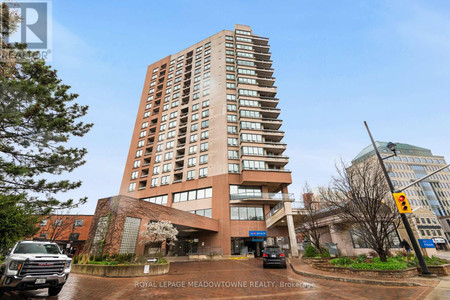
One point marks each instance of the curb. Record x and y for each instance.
(354, 280)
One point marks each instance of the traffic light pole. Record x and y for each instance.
(405, 221)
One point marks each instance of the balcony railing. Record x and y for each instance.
(263, 196)
(274, 210)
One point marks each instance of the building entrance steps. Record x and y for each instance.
(304, 269)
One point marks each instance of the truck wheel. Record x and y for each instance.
(53, 291)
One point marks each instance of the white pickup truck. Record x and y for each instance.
(35, 265)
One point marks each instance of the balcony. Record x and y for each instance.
(263, 64)
(262, 56)
(273, 135)
(268, 102)
(265, 81)
(261, 48)
(276, 148)
(261, 198)
(270, 123)
(269, 113)
(259, 40)
(264, 72)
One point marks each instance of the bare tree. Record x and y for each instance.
(361, 196)
(59, 225)
(310, 222)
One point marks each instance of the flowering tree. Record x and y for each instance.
(159, 232)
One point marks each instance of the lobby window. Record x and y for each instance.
(202, 212)
(247, 213)
(162, 200)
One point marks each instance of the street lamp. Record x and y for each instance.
(393, 148)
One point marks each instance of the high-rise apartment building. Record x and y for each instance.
(410, 164)
(207, 141)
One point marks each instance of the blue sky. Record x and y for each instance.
(337, 63)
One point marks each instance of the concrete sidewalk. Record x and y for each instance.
(441, 291)
(304, 269)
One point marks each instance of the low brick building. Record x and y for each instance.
(70, 232)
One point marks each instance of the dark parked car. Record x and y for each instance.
(273, 256)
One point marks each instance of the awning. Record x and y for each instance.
(439, 241)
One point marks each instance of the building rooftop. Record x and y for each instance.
(402, 149)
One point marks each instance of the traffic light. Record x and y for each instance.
(402, 203)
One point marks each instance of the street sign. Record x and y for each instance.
(257, 233)
(426, 243)
(146, 269)
(152, 259)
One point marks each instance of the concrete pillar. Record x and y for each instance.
(292, 236)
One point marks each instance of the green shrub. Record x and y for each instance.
(342, 261)
(361, 258)
(75, 259)
(103, 263)
(325, 254)
(310, 251)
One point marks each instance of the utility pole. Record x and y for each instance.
(405, 221)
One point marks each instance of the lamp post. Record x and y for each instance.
(393, 148)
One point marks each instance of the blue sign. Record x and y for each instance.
(257, 240)
(257, 233)
(427, 243)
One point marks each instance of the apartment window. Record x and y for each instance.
(161, 137)
(144, 125)
(251, 103)
(203, 172)
(141, 143)
(136, 164)
(158, 158)
(175, 103)
(245, 63)
(132, 187)
(229, 52)
(169, 83)
(156, 170)
(155, 76)
(173, 114)
(168, 155)
(178, 79)
(197, 71)
(154, 182)
(167, 167)
(231, 86)
(159, 148)
(193, 149)
(232, 118)
(162, 127)
(139, 153)
(232, 141)
(245, 54)
(252, 151)
(205, 113)
(146, 114)
(196, 78)
(208, 44)
(231, 97)
(192, 195)
(155, 70)
(205, 103)
(134, 175)
(195, 107)
(229, 45)
(191, 175)
(165, 180)
(170, 76)
(243, 32)
(229, 60)
(78, 223)
(245, 47)
(177, 87)
(194, 117)
(203, 159)
(249, 93)
(250, 114)
(253, 165)
(233, 168)
(207, 67)
(206, 75)
(204, 147)
(172, 124)
(142, 134)
(247, 80)
(196, 96)
(165, 107)
(246, 71)
(232, 129)
(231, 107)
(205, 91)
(196, 87)
(194, 127)
(148, 106)
(242, 39)
(193, 138)
(167, 98)
(169, 145)
(204, 135)
(192, 161)
(230, 76)
(176, 95)
(205, 124)
(247, 213)
(207, 59)
(255, 138)
(168, 90)
(233, 154)
(171, 134)
(228, 38)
